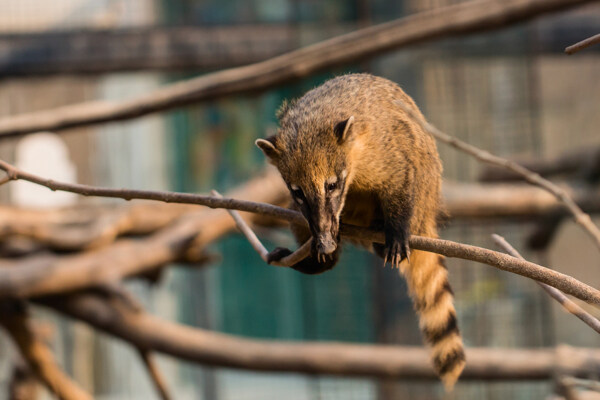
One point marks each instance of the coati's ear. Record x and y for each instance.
(343, 129)
(268, 146)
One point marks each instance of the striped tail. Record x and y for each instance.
(428, 285)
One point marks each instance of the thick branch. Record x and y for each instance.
(473, 201)
(463, 18)
(556, 294)
(210, 348)
(81, 228)
(581, 217)
(56, 273)
(583, 44)
(37, 354)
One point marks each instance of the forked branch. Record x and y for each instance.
(556, 294)
(581, 217)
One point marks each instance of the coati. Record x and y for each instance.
(349, 153)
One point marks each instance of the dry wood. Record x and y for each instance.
(56, 273)
(580, 217)
(167, 197)
(584, 162)
(216, 349)
(463, 18)
(521, 201)
(37, 355)
(287, 261)
(583, 44)
(157, 378)
(556, 294)
(81, 228)
(36, 276)
(86, 227)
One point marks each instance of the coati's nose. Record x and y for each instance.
(326, 244)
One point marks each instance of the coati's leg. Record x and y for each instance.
(397, 213)
(310, 265)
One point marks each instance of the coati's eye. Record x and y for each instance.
(297, 193)
(331, 184)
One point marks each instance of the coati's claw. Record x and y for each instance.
(277, 254)
(397, 252)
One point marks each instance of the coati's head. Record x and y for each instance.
(313, 159)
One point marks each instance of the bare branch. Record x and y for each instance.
(459, 19)
(159, 381)
(221, 350)
(52, 275)
(581, 217)
(287, 261)
(56, 273)
(556, 294)
(37, 354)
(583, 44)
(518, 200)
(166, 197)
(92, 226)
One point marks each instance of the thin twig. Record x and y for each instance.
(25, 282)
(556, 294)
(583, 44)
(163, 196)
(157, 378)
(581, 217)
(297, 256)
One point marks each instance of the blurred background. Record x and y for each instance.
(513, 92)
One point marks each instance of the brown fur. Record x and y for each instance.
(393, 183)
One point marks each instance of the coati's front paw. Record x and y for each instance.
(396, 248)
(278, 254)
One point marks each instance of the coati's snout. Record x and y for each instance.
(327, 240)
(323, 220)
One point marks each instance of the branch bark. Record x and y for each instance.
(37, 355)
(557, 295)
(221, 350)
(157, 378)
(459, 19)
(583, 162)
(581, 218)
(88, 227)
(39, 276)
(583, 44)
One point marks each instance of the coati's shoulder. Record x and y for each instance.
(356, 94)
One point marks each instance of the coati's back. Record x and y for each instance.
(348, 152)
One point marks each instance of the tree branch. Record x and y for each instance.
(556, 294)
(157, 378)
(37, 276)
(459, 19)
(583, 44)
(581, 217)
(221, 350)
(87, 227)
(256, 244)
(37, 354)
